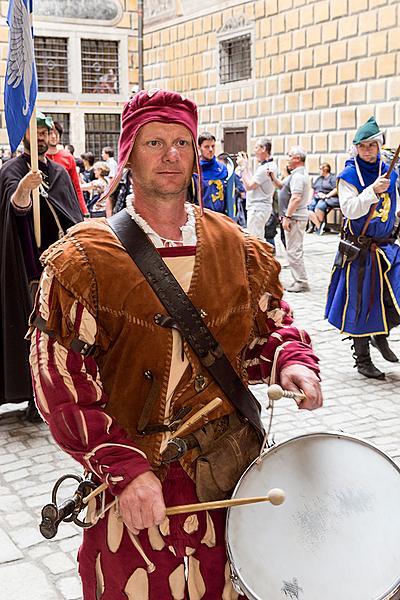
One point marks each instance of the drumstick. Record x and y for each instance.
(96, 492)
(197, 416)
(193, 420)
(275, 392)
(276, 496)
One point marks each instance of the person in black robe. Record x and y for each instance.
(20, 266)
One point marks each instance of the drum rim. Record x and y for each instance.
(390, 594)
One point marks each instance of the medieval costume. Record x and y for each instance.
(214, 175)
(97, 401)
(20, 265)
(364, 292)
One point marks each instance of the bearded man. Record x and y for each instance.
(20, 268)
(115, 376)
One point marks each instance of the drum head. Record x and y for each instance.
(337, 535)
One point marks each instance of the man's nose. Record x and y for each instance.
(171, 153)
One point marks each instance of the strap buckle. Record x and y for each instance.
(212, 355)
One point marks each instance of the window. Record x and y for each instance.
(51, 54)
(101, 130)
(63, 119)
(235, 58)
(100, 73)
(235, 140)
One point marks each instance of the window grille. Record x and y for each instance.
(235, 59)
(64, 120)
(101, 130)
(51, 55)
(100, 73)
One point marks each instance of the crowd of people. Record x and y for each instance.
(196, 313)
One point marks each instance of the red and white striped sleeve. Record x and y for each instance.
(278, 343)
(70, 397)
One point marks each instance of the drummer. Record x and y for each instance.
(111, 367)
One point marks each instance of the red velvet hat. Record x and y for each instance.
(145, 107)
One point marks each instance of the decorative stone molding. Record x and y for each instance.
(94, 10)
(156, 9)
(234, 24)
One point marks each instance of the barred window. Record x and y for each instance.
(64, 120)
(100, 73)
(51, 54)
(101, 130)
(235, 59)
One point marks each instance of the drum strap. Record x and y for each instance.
(184, 316)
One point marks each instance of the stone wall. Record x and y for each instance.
(321, 68)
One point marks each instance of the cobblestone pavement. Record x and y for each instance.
(32, 567)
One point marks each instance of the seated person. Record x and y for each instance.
(324, 196)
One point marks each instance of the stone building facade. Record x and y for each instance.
(317, 69)
(86, 57)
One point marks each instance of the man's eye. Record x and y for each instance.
(154, 143)
(183, 143)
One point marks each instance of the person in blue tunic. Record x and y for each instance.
(214, 174)
(364, 293)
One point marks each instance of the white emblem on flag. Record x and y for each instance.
(21, 58)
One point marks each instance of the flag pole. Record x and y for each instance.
(35, 169)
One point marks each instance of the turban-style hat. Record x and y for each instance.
(146, 107)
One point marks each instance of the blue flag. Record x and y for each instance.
(20, 86)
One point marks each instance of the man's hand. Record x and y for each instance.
(242, 160)
(381, 184)
(299, 377)
(141, 503)
(286, 224)
(30, 181)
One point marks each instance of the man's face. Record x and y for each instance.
(42, 140)
(54, 137)
(293, 160)
(104, 155)
(207, 149)
(260, 152)
(162, 159)
(368, 151)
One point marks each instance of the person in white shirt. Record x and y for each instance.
(107, 154)
(293, 200)
(259, 187)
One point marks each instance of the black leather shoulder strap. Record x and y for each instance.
(185, 315)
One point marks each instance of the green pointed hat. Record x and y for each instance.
(43, 121)
(369, 131)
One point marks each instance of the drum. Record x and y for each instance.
(337, 535)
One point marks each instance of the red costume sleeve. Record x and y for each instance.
(278, 344)
(71, 399)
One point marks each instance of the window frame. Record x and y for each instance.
(56, 37)
(232, 33)
(75, 68)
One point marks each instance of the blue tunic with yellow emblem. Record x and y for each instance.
(357, 307)
(214, 175)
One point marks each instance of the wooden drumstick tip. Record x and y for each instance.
(276, 496)
(275, 392)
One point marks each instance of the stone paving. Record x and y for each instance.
(37, 569)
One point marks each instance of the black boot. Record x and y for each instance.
(363, 360)
(381, 343)
(31, 413)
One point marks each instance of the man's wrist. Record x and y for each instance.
(288, 216)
